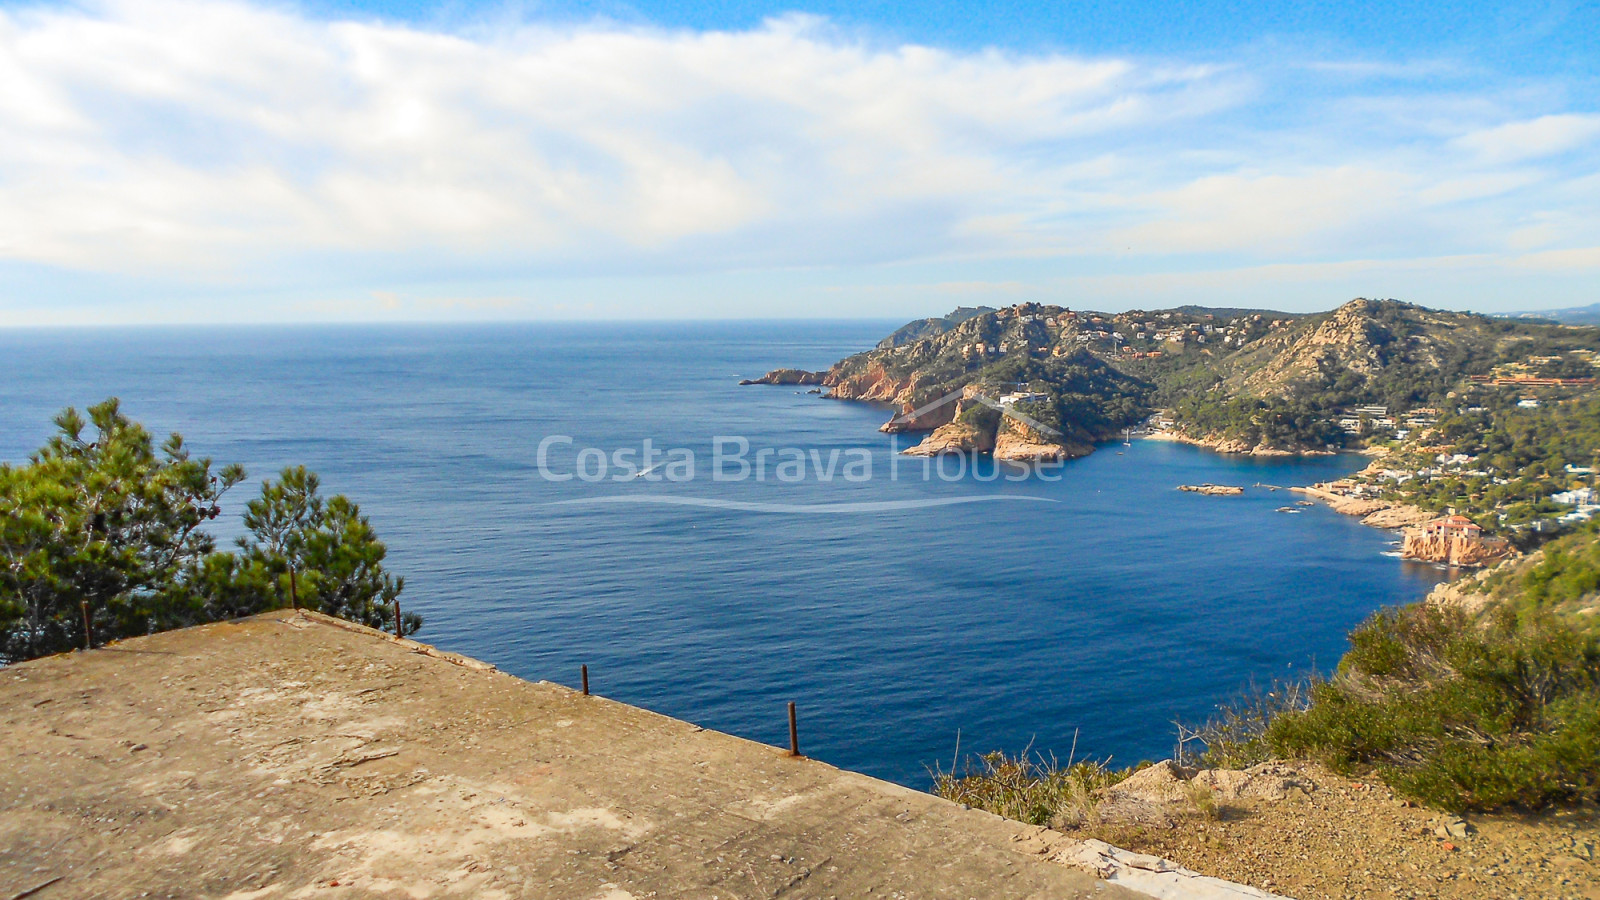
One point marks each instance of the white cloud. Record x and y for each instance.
(158, 134)
(1533, 138)
(1270, 213)
(224, 143)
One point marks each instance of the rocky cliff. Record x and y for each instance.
(1019, 442)
(1455, 551)
(956, 437)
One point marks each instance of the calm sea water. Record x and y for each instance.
(1100, 607)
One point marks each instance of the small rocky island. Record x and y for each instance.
(1212, 490)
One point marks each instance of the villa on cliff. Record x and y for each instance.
(1452, 527)
(1453, 540)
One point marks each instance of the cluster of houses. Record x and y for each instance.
(1585, 503)
(1363, 417)
(1237, 331)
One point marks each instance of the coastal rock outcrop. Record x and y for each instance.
(1212, 490)
(956, 437)
(1020, 442)
(1374, 512)
(1236, 446)
(1398, 515)
(788, 376)
(1453, 550)
(974, 425)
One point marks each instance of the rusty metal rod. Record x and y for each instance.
(794, 733)
(398, 632)
(585, 681)
(88, 630)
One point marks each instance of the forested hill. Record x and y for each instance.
(1247, 380)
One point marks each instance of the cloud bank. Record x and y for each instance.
(231, 148)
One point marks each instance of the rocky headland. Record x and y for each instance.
(788, 376)
(1247, 382)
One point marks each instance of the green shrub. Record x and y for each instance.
(1235, 737)
(1460, 713)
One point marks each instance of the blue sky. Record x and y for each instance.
(181, 161)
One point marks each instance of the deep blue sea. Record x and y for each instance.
(1098, 606)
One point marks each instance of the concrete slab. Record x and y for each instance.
(295, 756)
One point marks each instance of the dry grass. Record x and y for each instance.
(1029, 787)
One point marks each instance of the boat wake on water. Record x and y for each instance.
(804, 508)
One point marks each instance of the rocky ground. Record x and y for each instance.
(1307, 833)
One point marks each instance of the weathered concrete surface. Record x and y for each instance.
(283, 756)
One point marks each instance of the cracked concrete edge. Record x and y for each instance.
(1151, 876)
(465, 662)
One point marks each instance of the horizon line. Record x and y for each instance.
(305, 323)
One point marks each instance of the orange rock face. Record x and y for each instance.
(1457, 550)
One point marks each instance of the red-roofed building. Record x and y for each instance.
(1452, 526)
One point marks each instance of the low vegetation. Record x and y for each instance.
(1029, 788)
(103, 536)
(1454, 710)
(1562, 579)
(1460, 714)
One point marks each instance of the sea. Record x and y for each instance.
(562, 495)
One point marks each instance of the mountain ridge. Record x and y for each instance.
(1245, 380)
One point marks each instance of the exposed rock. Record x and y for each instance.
(1454, 550)
(1236, 446)
(872, 382)
(1168, 782)
(1463, 595)
(956, 437)
(1374, 512)
(1355, 506)
(1346, 335)
(788, 376)
(1268, 781)
(1163, 782)
(1020, 442)
(1397, 516)
(1008, 439)
(1364, 338)
(1212, 490)
(1453, 827)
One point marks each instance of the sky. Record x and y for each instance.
(172, 161)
